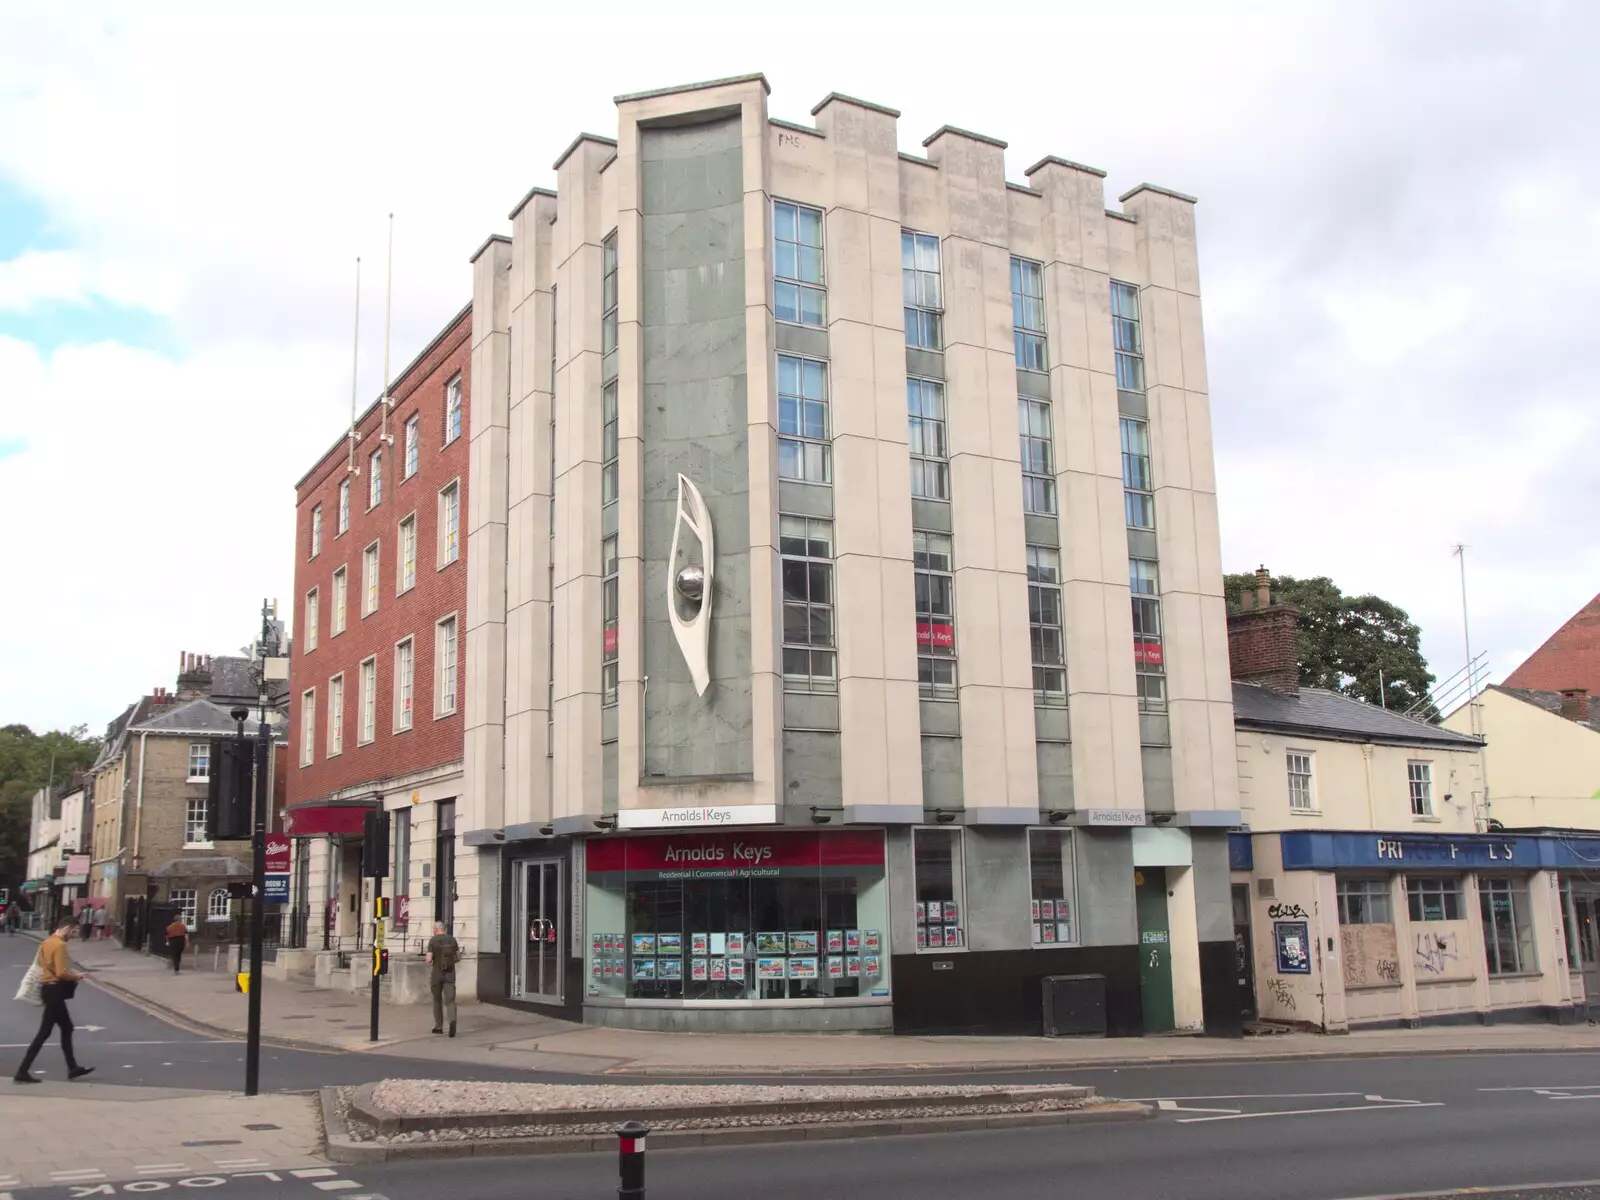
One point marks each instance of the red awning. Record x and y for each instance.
(343, 818)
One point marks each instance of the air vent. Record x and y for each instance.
(1266, 888)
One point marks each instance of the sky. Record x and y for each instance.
(1399, 229)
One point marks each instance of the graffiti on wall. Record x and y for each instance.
(1436, 952)
(1371, 956)
(1281, 992)
(1286, 912)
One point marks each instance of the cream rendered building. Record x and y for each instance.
(940, 423)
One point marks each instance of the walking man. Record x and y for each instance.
(100, 921)
(443, 954)
(86, 920)
(59, 985)
(177, 941)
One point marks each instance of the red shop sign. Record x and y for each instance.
(938, 634)
(735, 855)
(277, 854)
(1147, 653)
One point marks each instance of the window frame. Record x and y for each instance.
(197, 819)
(313, 618)
(341, 598)
(204, 760)
(344, 507)
(446, 666)
(367, 679)
(920, 425)
(308, 726)
(1137, 469)
(371, 580)
(448, 538)
(957, 883)
(1041, 589)
(375, 478)
(212, 915)
(929, 685)
(1034, 337)
(608, 293)
(610, 620)
(335, 715)
(411, 446)
(186, 900)
(404, 685)
(805, 529)
(1309, 775)
(453, 420)
(1067, 848)
(1150, 671)
(1038, 487)
(802, 288)
(1419, 788)
(610, 448)
(1351, 886)
(823, 445)
(405, 553)
(316, 530)
(913, 282)
(1447, 888)
(1525, 949)
(1128, 329)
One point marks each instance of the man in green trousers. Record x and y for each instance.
(443, 954)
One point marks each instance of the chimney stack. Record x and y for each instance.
(1263, 639)
(194, 677)
(1575, 704)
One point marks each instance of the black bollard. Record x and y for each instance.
(630, 1161)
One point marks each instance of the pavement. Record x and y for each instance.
(299, 1016)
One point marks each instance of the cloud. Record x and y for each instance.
(1400, 247)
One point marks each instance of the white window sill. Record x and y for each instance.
(1428, 820)
(450, 562)
(399, 729)
(401, 591)
(334, 753)
(450, 712)
(1305, 812)
(198, 779)
(199, 845)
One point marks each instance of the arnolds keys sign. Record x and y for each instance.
(760, 855)
(711, 816)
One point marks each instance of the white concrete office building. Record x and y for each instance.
(846, 643)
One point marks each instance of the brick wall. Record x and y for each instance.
(1263, 647)
(167, 792)
(431, 741)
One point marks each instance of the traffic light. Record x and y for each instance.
(375, 844)
(380, 961)
(228, 800)
(380, 910)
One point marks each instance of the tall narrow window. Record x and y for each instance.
(1139, 502)
(413, 446)
(316, 530)
(400, 853)
(406, 567)
(369, 580)
(936, 614)
(1053, 883)
(941, 903)
(445, 656)
(452, 410)
(335, 715)
(341, 597)
(1144, 582)
(1027, 314)
(1128, 337)
(369, 700)
(449, 524)
(1507, 926)
(924, 295)
(608, 295)
(1302, 798)
(803, 450)
(199, 761)
(806, 546)
(375, 478)
(798, 296)
(344, 505)
(930, 451)
(1419, 778)
(608, 443)
(1038, 464)
(308, 727)
(403, 658)
(609, 614)
(311, 620)
(1044, 625)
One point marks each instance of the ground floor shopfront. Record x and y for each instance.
(1367, 930)
(939, 928)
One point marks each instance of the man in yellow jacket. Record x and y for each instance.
(60, 982)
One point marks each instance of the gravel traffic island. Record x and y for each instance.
(401, 1118)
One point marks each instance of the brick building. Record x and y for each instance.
(1569, 658)
(376, 673)
(152, 781)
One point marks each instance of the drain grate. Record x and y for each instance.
(262, 1128)
(217, 1142)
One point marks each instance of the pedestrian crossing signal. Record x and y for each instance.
(228, 801)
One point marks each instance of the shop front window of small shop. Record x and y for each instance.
(808, 933)
(941, 903)
(1053, 906)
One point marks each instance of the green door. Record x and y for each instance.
(1155, 948)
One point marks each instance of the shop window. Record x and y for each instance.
(1364, 902)
(778, 916)
(941, 904)
(1507, 929)
(1434, 898)
(1053, 883)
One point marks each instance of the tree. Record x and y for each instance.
(28, 762)
(1347, 643)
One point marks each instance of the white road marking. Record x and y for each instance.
(314, 1173)
(160, 1168)
(1549, 1087)
(1174, 1106)
(275, 1178)
(1248, 1096)
(336, 1185)
(1315, 1112)
(86, 1175)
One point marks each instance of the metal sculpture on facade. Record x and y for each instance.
(689, 587)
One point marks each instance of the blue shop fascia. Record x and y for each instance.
(1361, 929)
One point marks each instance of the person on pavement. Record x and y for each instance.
(100, 922)
(59, 985)
(177, 941)
(86, 921)
(443, 954)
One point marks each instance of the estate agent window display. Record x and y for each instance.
(775, 916)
